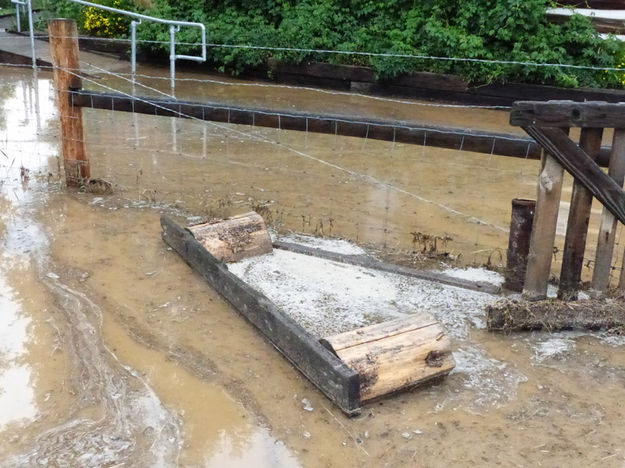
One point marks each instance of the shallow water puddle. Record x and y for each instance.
(134, 359)
(17, 398)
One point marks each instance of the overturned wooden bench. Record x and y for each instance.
(350, 368)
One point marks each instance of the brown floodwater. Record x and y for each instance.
(114, 353)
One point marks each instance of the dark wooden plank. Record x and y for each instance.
(430, 80)
(337, 381)
(592, 114)
(577, 224)
(521, 221)
(579, 165)
(449, 88)
(388, 130)
(602, 25)
(324, 70)
(375, 264)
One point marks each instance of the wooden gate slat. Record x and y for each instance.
(577, 224)
(607, 231)
(544, 228)
(579, 165)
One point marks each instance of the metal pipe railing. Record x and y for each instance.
(175, 26)
(18, 15)
(26, 4)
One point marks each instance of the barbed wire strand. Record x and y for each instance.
(352, 173)
(296, 88)
(359, 53)
(318, 90)
(203, 122)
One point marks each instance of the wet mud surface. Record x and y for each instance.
(114, 353)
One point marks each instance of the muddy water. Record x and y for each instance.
(114, 352)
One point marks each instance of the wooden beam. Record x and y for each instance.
(376, 129)
(235, 238)
(607, 231)
(521, 222)
(375, 264)
(64, 48)
(392, 356)
(544, 228)
(337, 381)
(579, 165)
(591, 114)
(577, 224)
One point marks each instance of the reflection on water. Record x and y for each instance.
(99, 406)
(17, 399)
(133, 359)
(259, 450)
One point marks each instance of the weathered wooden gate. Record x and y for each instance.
(549, 123)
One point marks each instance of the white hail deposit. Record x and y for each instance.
(327, 297)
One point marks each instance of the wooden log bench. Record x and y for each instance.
(350, 368)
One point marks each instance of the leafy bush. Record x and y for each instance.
(95, 21)
(503, 30)
(105, 23)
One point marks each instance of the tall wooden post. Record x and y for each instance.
(64, 48)
(607, 232)
(577, 225)
(544, 229)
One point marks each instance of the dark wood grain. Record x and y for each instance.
(375, 264)
(375, 129)
(592, 114)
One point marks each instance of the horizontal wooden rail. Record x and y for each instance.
(591, 114)
(375, 264)
(376, 129)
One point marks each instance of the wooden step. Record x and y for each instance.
(235, 238)
(394, 355)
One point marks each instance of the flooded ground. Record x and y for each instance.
(114, 353)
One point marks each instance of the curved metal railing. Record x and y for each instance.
(174, 27)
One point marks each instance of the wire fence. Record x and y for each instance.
(360, 53)
(451, 218)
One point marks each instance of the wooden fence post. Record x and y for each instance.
(521, 222)
(577, 225)
(64, 48)
(607, 231)
(544, 229)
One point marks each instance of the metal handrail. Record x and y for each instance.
(28, 6)
(174, 27)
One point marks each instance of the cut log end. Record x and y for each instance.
(235, 238)
(395, 355)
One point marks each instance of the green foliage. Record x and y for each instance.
(95, 21)
(507, 30)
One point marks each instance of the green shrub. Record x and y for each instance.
(95, 21)
(502, 30)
